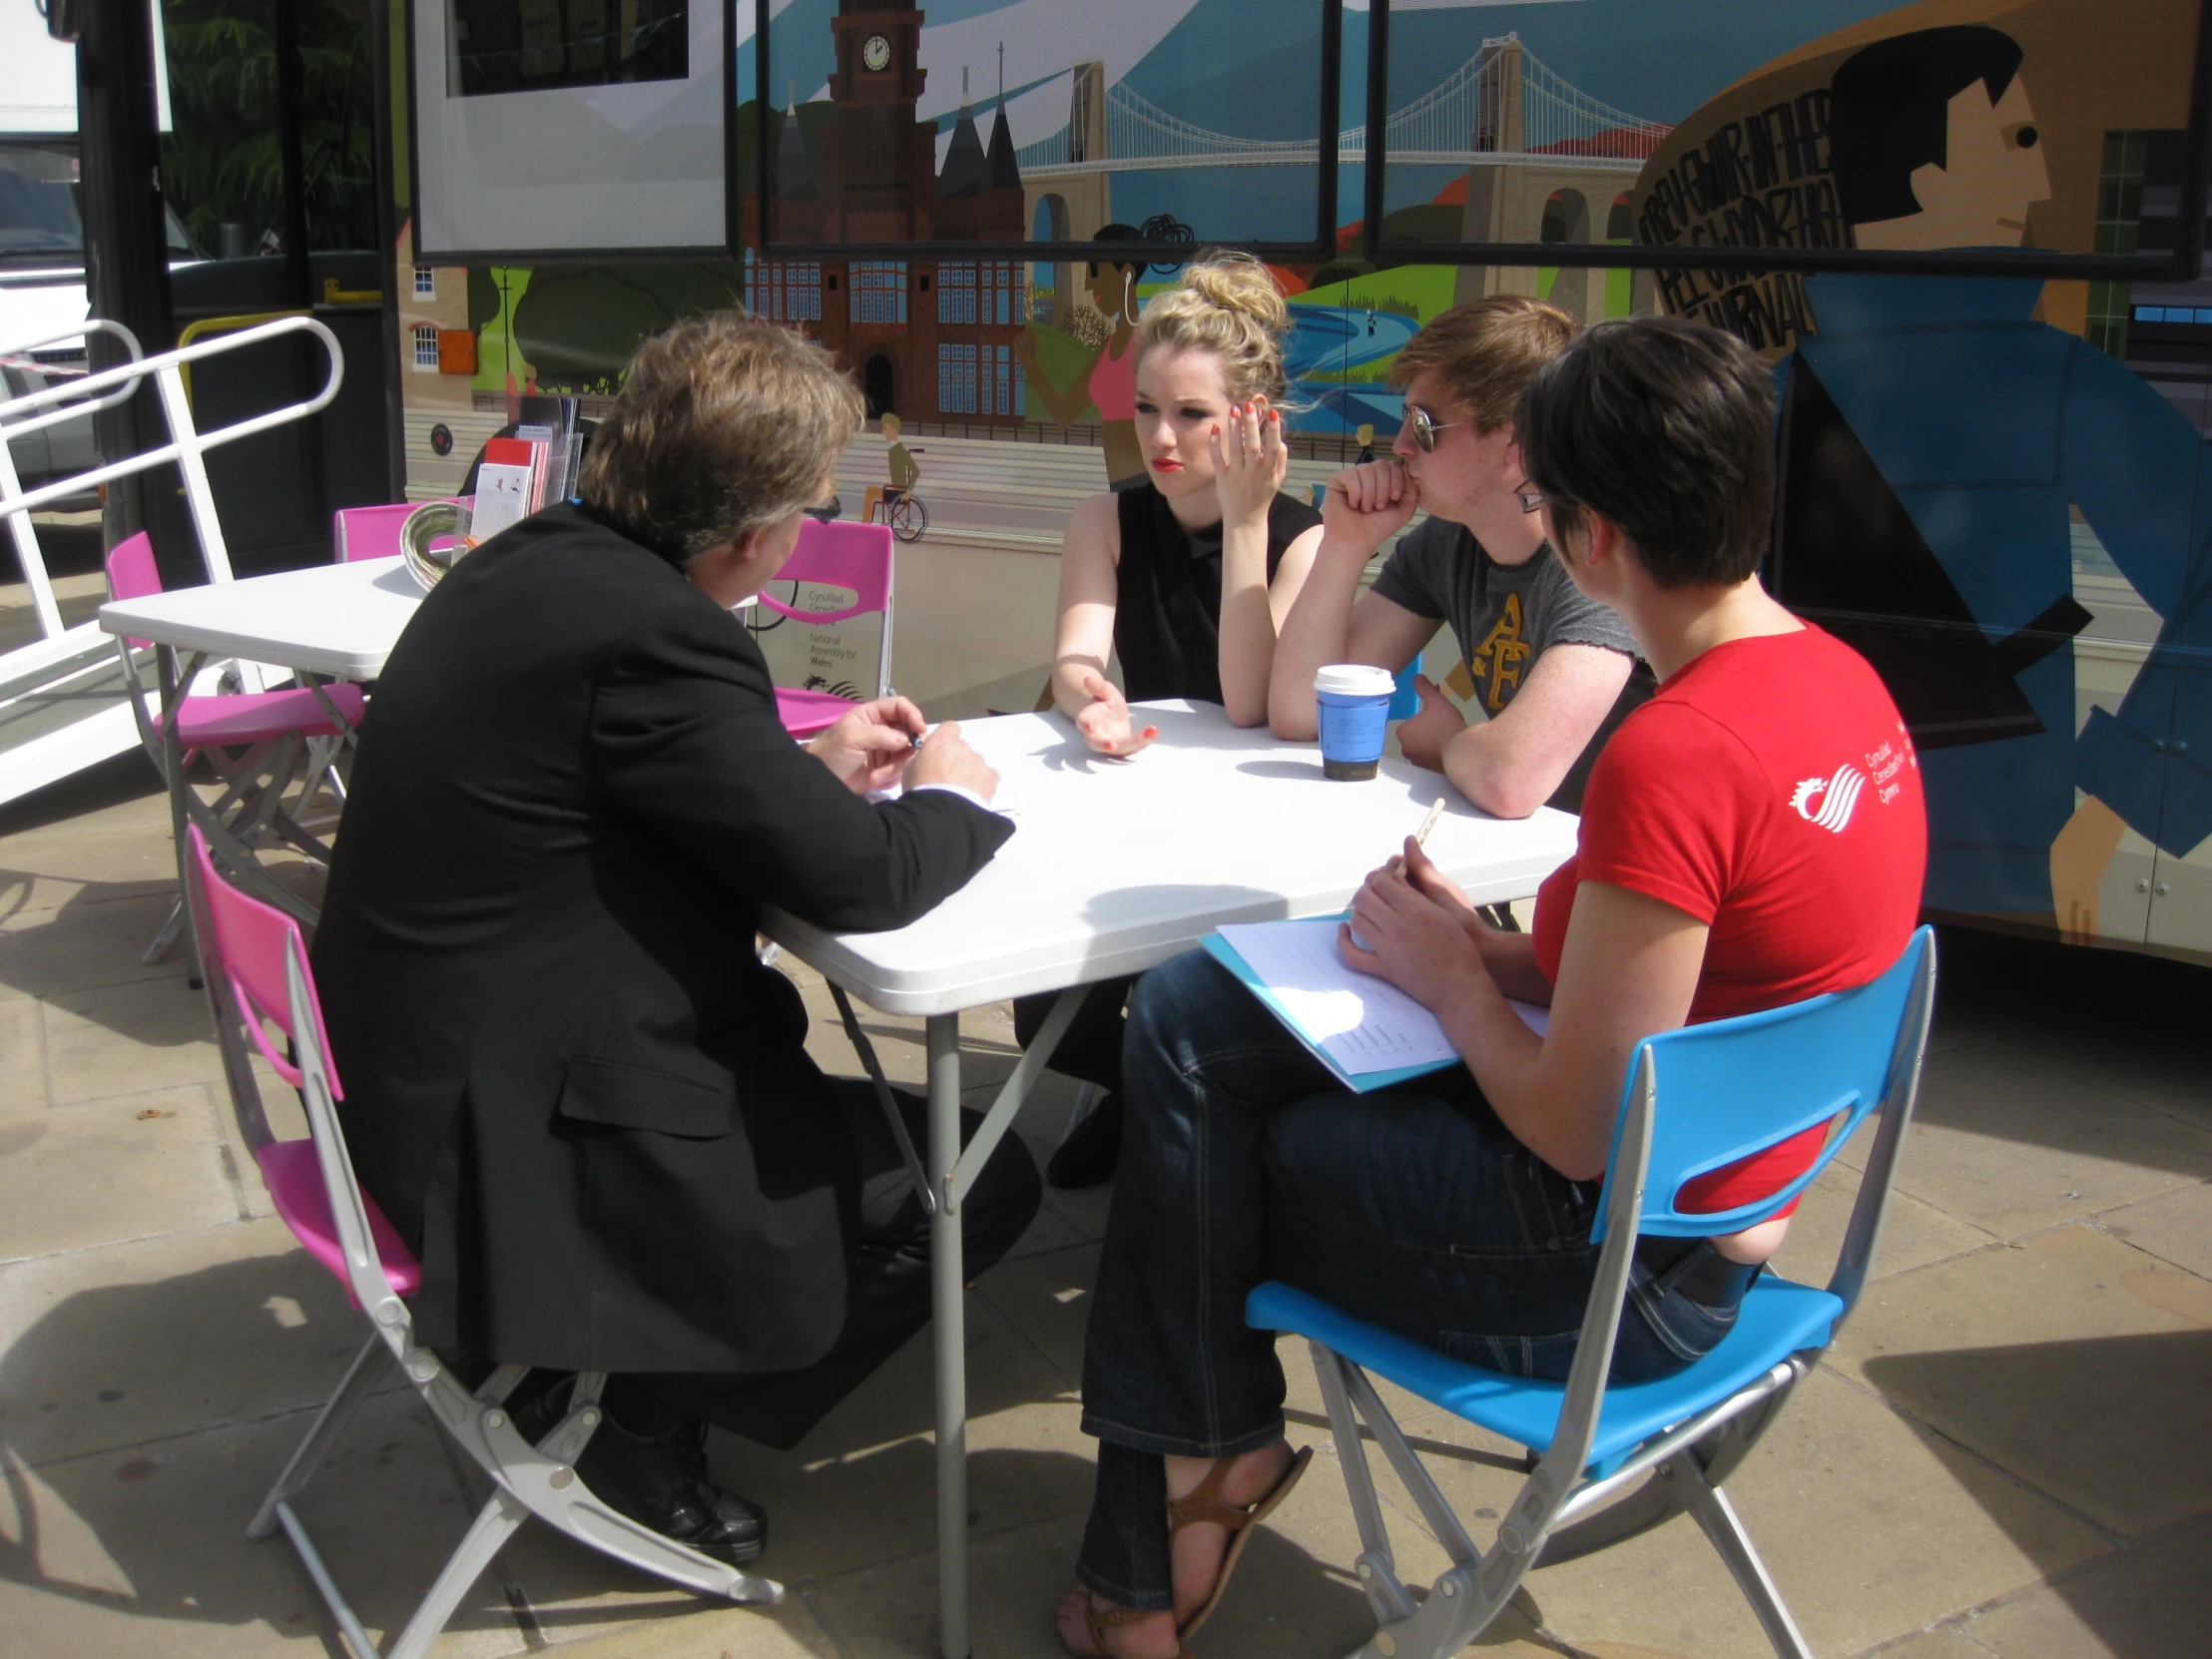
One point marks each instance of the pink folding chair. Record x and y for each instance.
(243, 946)
(840, 554)
(258, 979)
(361, 534)
(256, 742)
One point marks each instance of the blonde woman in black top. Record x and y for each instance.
(1190, 574)
(1187, 577)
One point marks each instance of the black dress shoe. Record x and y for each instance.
(1092, 1149)
(657, 1480)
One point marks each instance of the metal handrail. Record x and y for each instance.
(186, 446)
(74, 388)
(211, 325)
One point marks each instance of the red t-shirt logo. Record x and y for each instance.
(1829, 802)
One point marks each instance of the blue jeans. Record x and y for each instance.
(1243, 1160)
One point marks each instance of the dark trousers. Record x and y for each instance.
(886, 1286)
(1243, 1160)
(1090, 1048)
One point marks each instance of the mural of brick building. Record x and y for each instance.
(437, 348)
(930, 339)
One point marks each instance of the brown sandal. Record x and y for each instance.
(1099, 1618)
(1205, 1505)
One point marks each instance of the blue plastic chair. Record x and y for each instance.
(1695, 1100)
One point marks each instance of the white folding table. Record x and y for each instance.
(336, 620)
(339, 621)
(1114, 867)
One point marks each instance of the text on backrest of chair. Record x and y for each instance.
(840, 554)
(250, 940)
(1732, 1088)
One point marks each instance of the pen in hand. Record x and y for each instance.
(1398, 860)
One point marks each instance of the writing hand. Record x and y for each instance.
(1424, 738)
(1104, 723)
(869, 746)
(1417, 944)
(947, 759)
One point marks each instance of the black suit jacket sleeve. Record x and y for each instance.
(684, 735)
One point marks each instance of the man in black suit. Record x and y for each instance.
(566, 1077)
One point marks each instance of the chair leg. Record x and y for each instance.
(363, 1375)
(495, 1524)
(1710, 1505)
(1655, 1501)
(1085, 1098)
(1376, 1566)
(167, 937)
(332, 1598)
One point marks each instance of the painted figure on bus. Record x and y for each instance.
(1109, 380)
(1939, 440)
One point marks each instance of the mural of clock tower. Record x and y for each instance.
(884, 158)
(926, 340)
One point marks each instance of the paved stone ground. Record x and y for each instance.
(2006, 1455)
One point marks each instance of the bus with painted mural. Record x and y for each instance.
(1991, 464)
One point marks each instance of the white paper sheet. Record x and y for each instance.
(1364, 1023)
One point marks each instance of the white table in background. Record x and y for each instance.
(336, 620)
(1115, 866)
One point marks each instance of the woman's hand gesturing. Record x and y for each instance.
(1250, 461)
(1104, 723)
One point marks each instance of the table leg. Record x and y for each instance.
(949, 1331)
(176, 684)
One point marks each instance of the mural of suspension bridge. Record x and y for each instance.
(1503, 106)
(1543, 162)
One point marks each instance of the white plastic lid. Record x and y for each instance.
(1354, 680)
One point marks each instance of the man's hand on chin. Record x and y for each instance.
(868, 747)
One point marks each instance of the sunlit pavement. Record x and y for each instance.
(2008, 1454)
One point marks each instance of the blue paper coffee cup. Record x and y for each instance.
(1353, 703)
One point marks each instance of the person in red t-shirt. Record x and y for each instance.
(1753, 835)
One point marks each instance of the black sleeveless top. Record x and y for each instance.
(1167, 613)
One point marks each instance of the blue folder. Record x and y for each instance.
(1364, 1082)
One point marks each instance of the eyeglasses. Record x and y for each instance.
(1530, 498)
(1425, 426)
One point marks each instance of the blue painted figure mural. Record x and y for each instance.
(1954, 462)
(1986, 426)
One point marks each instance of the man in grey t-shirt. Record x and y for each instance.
(1552, 670)
(1505, 617)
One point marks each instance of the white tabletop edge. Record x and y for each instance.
(837, 956)
(905, 971)
(339, 620)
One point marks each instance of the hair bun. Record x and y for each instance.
(1239, 283)
(1226, 303)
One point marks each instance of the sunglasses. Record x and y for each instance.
(1424, 428)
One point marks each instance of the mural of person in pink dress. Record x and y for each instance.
(1109, 381)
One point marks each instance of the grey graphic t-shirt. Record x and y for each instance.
(1505, 617)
